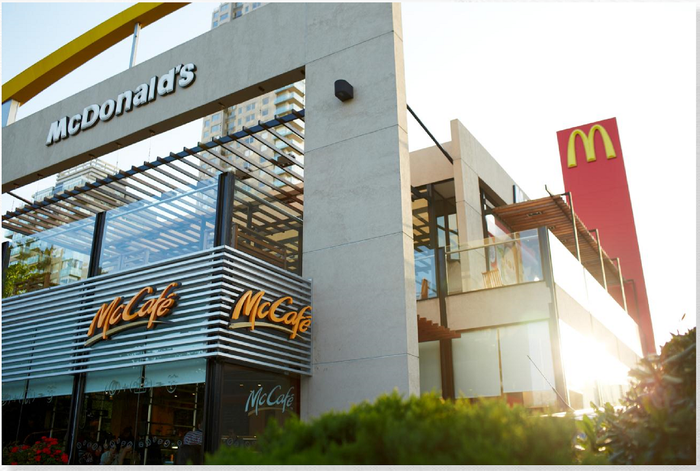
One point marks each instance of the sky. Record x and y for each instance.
(513, 73)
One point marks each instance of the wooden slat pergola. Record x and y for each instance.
(558, 216)
(429, 331)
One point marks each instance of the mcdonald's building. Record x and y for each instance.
(297, 264)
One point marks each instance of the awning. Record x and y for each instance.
(429, 331)
(556, 214)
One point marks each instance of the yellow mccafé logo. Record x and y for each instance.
(588, 144)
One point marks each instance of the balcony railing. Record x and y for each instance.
(494, 262)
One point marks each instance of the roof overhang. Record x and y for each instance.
(554, 213)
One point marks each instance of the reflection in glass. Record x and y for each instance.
(494, 262)
(250, 399)
(143, 420)
(41, 411)
(512, 362)
(52, 257)
(177, 223)
(264, 227)
(434, 225)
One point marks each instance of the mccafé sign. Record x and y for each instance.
(249, 305)
(588, 144)
(181, 75)
(116, 316)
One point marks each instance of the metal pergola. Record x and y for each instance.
(171, 202)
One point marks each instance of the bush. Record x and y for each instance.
(45, 451)
(657, 425)
(419, 430)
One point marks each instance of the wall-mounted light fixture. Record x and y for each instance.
(343, 90)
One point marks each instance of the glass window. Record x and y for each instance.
(430, 373)
(43, 412)
(265, 112)
(223, 17)
(250, 399)
(475, 359)
(215, 118)
(215, 24)
(141, 415)
(224, 7)
(206, 123)
(279, 243)
(154, 229)
(240, 121)
(39, 259)
(216, 128)
(266, 100)
(249, 118)
(521, 373)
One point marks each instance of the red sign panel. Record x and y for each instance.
(594, 173)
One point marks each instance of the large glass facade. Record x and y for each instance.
(141, 415)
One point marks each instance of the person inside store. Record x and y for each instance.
(191, 449)
(126, 441)
(110, 456)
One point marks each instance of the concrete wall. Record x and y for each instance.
(429, 165)
(358, 242)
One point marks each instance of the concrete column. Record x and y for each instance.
(468, 202)
(358, 242)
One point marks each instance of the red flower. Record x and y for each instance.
(64, 458)
(46, 451)
(37, 451)
(38, 458)
(13, 463)
(14, 450)
(43, 438)
(57, 452)
(24, 447)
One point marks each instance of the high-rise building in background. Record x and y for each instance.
(77, 176)
(261, 108)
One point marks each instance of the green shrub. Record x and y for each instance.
(657, 425)
(418, 430)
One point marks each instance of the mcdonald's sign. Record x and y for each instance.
(589, 144)
(602, 200)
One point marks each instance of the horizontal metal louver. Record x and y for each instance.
(44, 332)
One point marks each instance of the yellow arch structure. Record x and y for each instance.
(63, 61)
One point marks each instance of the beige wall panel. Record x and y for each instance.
(430, 309)
(429, 165)
(491, 307)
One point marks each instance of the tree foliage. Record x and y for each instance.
(418, 430)
(16, 276)
(657, 424)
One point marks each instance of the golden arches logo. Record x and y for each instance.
(588, 144)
